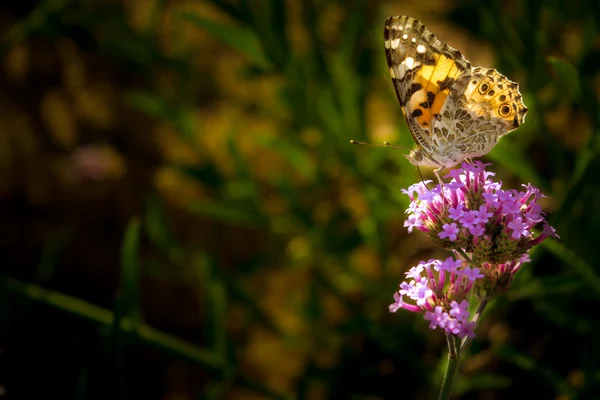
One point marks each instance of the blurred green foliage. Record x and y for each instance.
(184, 216)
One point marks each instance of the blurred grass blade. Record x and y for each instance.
(82, 384)
(104, 318)
(484, 381)
(242, 40)
(513, 159)
(159, 230)
(214, 294)
(587, 273)
(545, 286)
(570, 80)
(31, 24)
(158, 107)
(232, 214)
(129, 296)
(568, 77)
(295, 155)
(527, 363)
(269, 20)
(237, 12)
(347, 94)
(50, 253)
(242, 169)
(151, 104)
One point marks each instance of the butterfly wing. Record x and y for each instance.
(423, 70)
(477, 114)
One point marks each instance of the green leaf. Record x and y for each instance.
(240, 39)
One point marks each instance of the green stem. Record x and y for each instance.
(465, 255)
(451, 368)
(466, 342)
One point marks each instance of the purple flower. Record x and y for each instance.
(476, 230)
(482, 215)
(450, 231)
(467, 329)
(456, 213)
(472, 274)
(460, 311)
(436, 318)
(469, 218)
(518, 227)
(397, 303)
(450, 265)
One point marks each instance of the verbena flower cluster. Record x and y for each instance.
(490, 231)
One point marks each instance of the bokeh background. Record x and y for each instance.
(183, 216)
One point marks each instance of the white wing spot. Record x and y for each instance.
(395, 43)
(421, 49)
(413, 40)
(392, 73)
(409, 62)
(404, 37)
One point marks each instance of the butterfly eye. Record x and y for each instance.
(417, 155)
(504, 110)
(483, 88)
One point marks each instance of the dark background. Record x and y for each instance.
(183, 217)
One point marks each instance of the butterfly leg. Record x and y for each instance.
(437, 174)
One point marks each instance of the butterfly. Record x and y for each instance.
(454, 111)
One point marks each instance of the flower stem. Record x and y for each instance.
(451, 368)
(466, 341)
(465, 255)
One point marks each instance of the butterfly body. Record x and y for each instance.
(454, 111)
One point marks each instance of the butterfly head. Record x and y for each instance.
(418, 157)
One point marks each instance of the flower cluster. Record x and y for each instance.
(490, 231)
(473, 214)
(440, 290)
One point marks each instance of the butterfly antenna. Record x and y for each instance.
(384, 144)
(387, 144)
(421, 176)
